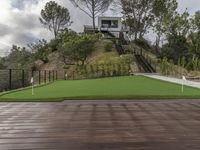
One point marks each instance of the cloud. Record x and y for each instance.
(4, 30)
(22, 37)
(19, 22)
(191, 5)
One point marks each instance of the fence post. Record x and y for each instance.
(45, 76)
(49, 76)
(32, 74)
(23, 82)
(10, 79)
(39, 76)
(53, 75)
(56, 75)
(64, 75)
(73, 75)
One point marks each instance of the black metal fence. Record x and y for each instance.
(11, 79)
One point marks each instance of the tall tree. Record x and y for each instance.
(138, 15)
(196, 22)
(194, 36)
(177, 30)
(178, 25)
(194, 43)
(163, 11)
(55, 17)
(92, 8)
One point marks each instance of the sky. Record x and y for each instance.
(19, 23)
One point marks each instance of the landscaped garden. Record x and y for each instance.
(129, 87)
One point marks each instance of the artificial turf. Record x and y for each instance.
(135, 87)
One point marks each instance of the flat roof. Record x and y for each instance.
(109, 17)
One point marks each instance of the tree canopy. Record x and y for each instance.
(163, 10)
(77, 48)
(55, 17)
(138, 16)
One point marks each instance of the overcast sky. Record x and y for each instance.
(19, 23)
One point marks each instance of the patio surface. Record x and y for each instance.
(100, 125)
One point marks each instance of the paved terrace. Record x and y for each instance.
(100, 125)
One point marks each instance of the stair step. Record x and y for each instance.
(141, 60)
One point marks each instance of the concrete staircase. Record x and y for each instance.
(144, 65)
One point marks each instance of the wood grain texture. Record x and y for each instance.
(100, 125)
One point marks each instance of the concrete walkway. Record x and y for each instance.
(173, 80)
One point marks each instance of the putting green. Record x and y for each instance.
(136, 87)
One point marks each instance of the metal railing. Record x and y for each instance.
(152, 63)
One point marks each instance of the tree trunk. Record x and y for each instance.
(54, 32)
(141, 35)
(94, 28)
(82, 62)
(158, 43)
(93, 16)
(136, 35)
(159, 37)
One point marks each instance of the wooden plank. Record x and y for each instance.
(100, 125)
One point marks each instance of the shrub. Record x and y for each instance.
(143, 43)
(108, 47)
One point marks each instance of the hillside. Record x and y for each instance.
(105, 53)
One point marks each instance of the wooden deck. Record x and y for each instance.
(95, 125)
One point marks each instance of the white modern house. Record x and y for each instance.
(112, 25)
(109, 23)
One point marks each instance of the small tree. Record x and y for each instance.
(41, 50)
(176, 31)
(77, 48)
(67, 50)
(55, 17)
(84, 47)
(18, 58)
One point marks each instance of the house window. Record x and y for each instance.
(109, 24)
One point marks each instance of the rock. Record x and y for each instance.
(39, 63)
(53, 57)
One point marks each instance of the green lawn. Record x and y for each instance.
(136, 87)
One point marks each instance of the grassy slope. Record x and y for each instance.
(137, 87)
(100, 56)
